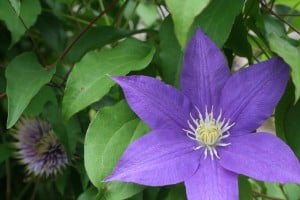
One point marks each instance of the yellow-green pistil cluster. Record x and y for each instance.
(209, 131)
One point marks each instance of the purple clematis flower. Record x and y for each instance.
(203, 135)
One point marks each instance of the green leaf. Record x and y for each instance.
(90, 81)
(16, 5)
(88, 194)
(176, 192)
(52, 31)
(291, 55)
(5, 151)
(95, 38)
(292, 127)
(291, 3)
(273, 25)
(28, 13)
(238, 41)
(25, 77)
(274, 190)
(119, 190)
(287, 116)
(244, 188)
(217, 19)
(170, 54)
(151, 193)
(292, 191)
(106, 139)
(148, 13)
(183, 14)
(36, 105)
(284, 104)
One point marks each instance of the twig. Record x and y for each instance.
(126, 35)
(272, 3)
(280, 18)
(289, 15)
(66, 76)
(257, 194)
(35, 189)
(68, 48)
(259, 45)
(105, 16)
(35, 46)
(2, 95)
(8, 180)
(162, 12)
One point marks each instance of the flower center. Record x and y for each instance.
(209, 131)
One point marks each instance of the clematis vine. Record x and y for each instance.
(203, 135)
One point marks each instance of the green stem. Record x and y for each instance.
(259, 45)
(24, 190)
(79, 35)
(8, 180)
(280, 18)
(35, 190)
(105, 15)
(264, 196)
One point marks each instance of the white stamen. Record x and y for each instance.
(208, 131)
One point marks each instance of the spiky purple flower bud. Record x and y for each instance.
(38, 147)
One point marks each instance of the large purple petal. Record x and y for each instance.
(205, 71)
(159, 105)
(250, 95)
(212, 182)
(161, 157)
(261, 156)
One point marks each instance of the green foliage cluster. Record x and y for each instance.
(56, 59)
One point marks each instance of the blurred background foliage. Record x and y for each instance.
(55, 58)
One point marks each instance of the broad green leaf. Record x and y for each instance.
(183, 14)
(106, 139)
(273, 25)
(292, 14)
(238, 41)
(170, 54)
(287, 116)
(292, 191)
(283, 106)
(291, 55)
(176, 192)
(25, 77)
(244, 188)
(148, 13)
(36, 105)
(52, 31)
(138, 196)
(291, 3)
(88, 194)
(151, 193)
(16, 5)
(95, 38)
(274, 190)
(120, 190)
(29, 12)
(90, 81)
(292, 127)
(217, 19)
(61, 181)
(5, 151)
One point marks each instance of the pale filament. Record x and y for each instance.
(208, 131)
